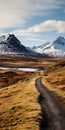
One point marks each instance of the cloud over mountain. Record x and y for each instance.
(33, 20)
(15, 13)
(50, 25)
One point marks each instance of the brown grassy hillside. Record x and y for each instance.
(54, 79)
(19, 109)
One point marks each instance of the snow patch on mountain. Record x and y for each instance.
(10, 45)
(53, 49)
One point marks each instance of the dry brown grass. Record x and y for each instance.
(26, 61)
(19, 109)
(54, 79)
(18, 61)
(12, 77)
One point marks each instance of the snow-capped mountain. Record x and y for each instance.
(10, 45)
(53, 49)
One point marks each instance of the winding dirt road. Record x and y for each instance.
(53, 111)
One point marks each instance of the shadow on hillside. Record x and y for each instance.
(11, 77)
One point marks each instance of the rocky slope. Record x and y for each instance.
(10, 45)
(53, 49)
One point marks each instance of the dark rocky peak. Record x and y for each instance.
(60, 40)
(12, 40)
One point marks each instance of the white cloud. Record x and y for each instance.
(32, 34)
(49, 25)
(14, 13)
(29, 37)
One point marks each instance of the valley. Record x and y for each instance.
(32, 64)
(19, 98)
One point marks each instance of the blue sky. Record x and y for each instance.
(34, 22)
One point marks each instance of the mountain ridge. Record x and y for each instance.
(11, 45)
(53, 49)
